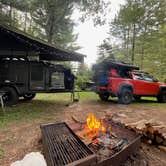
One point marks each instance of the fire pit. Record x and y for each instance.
(100, 142)
(63, 147)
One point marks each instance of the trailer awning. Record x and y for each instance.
(16, 43)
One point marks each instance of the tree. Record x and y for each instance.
(84, 75)
(105, 51)
(51, 20)
(139, 27)
(126, 25)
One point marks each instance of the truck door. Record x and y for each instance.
(144, 85)
(37, 76)
(152, 87)
(140, 86)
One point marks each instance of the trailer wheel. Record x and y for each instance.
(11, 97)
(125, 97)
(104, 96)
(162, 97)
(29, 96)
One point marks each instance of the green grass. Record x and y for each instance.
(24, 111)
(45, 106)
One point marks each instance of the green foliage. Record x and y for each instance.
(105, 51)
(84, 75)
(95, 9)
(50, 20)
(139, 27)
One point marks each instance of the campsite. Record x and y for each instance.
(83, 83)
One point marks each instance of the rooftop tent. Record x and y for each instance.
(107, 64)
(15, 43)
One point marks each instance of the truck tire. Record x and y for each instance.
(104, 96)
(11, 97)
(125, 97)
(29, 96)
(162, 97)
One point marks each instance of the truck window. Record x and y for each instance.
(114, 73)
(138, 76)
(148, 78)
(124, 74)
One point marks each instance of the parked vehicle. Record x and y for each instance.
(118, 79)
(23, 78)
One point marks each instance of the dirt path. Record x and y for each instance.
(20, 138)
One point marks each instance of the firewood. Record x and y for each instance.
(163, 148)
(158, 139)
(150, 136)
(76, 120)
(164, 142)
(140, 124)
(150, 129)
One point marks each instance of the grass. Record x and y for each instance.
(44, 106)
(35, 109)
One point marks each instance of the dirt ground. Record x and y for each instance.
(18, 139)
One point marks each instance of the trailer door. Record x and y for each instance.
(37, 77)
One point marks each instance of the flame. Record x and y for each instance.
(94, 126)
(92, 122)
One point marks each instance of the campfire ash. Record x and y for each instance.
(98, 135)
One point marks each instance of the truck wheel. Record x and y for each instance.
(162, 97)
(104, 96)
(11, 97)
(125, 97)
(29, 96)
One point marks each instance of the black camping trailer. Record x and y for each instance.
(22, 77)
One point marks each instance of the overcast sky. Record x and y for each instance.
(90, 37)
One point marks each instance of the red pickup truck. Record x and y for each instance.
(127, 82)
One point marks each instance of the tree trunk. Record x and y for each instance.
(142, 56)
(51, 28)
(25, 22)
(10, 13)
(30, 23)
(128, 39)
(133, 44)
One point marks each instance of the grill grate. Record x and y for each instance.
(63, 147)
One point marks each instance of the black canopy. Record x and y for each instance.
(15, 43)
(107, 64)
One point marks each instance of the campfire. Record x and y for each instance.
(99, 136)
(98, 142)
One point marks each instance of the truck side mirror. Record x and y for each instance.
(155, 80)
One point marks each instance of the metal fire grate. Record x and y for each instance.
(63, 147)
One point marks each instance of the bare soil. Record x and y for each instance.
(18, 139)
